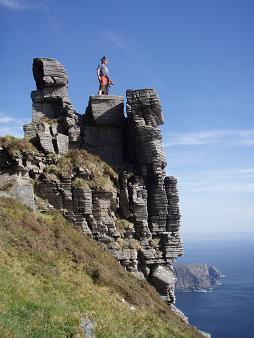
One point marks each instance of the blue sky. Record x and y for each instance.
(198, 54)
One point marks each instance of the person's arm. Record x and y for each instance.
(98, 73)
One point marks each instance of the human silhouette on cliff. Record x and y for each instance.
(103, 77)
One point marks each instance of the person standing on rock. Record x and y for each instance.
(103, 77)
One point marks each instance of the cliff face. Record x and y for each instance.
(196, 277)
(105, 171)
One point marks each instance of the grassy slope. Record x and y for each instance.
(51, 276)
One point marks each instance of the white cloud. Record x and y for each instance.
(133, 53)
(115, 39)
(10, 125)
(18, 5)
(6, 119)
(13, 4)
(235, 137)
(231, 173)
(229, 187)
(16, 131)
(246, 137)
(247, 172)
(230, 181)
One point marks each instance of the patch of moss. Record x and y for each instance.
(80, 183)
(123, 224)
(132, 243)
(102, 183)
(154, 241)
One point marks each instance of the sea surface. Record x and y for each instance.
(227, 311)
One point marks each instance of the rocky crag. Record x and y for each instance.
(196, 277)
(104, 170)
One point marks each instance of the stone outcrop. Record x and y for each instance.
(196, 277)
(102, 132)
(17, 184)
(133, 210)
(54, 121)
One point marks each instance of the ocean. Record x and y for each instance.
(227, 311)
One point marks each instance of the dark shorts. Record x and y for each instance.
(104, 89)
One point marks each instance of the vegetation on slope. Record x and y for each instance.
(99, 175)
(16, 146)
(53, 277)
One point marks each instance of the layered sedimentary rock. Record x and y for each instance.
(103, 128)
(134, 211)
(54, 121)
(144, 117)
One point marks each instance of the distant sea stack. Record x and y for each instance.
(196, 277)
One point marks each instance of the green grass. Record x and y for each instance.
(124, 224)
(52, 276)
(100, 176)
(16, 146)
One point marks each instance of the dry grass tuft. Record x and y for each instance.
(123, 224)
(16, 146)
(100, 175)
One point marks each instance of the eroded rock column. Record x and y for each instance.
(163, 243)
(55, 124)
